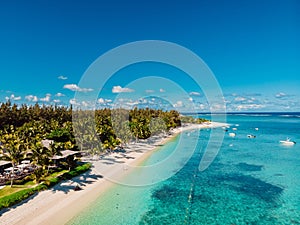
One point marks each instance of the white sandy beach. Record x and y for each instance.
(61, 203)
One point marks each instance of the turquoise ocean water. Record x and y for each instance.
(251, 181)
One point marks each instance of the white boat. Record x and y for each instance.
(234, 128)
(256, 128)
(231, 134)
(287, 142)
(251, 136)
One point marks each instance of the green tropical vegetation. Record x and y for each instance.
(10, 196)
(192, 119)
(24, 128)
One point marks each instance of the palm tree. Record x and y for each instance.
(125, 133)
(86, 135)
(41, 157)
(12, 149)
(157, 126)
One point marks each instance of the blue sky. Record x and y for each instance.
(252, 47)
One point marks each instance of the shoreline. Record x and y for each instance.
(61, 203)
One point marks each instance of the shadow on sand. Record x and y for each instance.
(81, 180)
(65, 186)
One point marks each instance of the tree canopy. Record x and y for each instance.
(33, 123)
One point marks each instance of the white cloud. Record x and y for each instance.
(249, 107)
(251, 100)
(217, 107)
(178, 104)
(162, 90)
(13, 97)
(195, 93)
(145, 101)
(73, 102)
(226, 101)
(62, 78)
(101, 101)
(240, 99)
(132, 103)
(59, 94)
(202, 106)
(119, 89)
(280, 95)
(74, 87)
(149, 91)
(190, 99)
(84, 103)
(46, 98)
(31, 98)
(56, 101)
(35, 99)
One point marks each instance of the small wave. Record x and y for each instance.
(248, 114)
(290, 116)
(264, 115)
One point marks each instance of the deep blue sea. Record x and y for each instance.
(251, 181)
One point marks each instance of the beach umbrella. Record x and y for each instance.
(22, 166)
(25, 162)
(9, 169)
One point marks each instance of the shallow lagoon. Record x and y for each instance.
(251, 181)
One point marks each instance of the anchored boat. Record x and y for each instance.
(287, 142)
